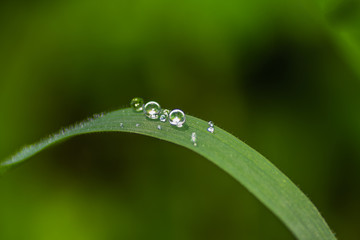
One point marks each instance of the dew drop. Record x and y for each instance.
(138, 125)
(211, 124)
(137, 104)
(152, 110)
(158, 127)
(193, 138)
(164, 115)
(211, 128)
(121, 125)
(177, 117)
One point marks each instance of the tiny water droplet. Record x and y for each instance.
(211, 129)
(137, 104)
(211, 124)
(164, 115)
(177, 117)
(121, 125)
(138, 125)
(193, 138)
(159, 127)
(152, 110)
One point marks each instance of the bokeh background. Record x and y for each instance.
(283, 76)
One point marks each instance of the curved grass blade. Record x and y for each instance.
(246, 165)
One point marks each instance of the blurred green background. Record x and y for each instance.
(283, 76)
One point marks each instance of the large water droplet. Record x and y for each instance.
(177, 117)
(152, 110)
(164, 115)
(137, 104)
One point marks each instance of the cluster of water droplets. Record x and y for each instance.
(153, 111)
(193, 138)
(211, 128)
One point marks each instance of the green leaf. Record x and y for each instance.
(242, 162)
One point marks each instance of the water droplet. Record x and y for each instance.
(193, 138)
(121, 125)
(211, 128)
(177, 117)
(159, 127)
(137, 104)
(164, 115)
(138, 125)
(152, 110)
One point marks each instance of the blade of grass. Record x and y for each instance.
(242, 162)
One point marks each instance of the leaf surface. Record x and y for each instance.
(247, 166)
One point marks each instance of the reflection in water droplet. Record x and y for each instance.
(138, 125)
(152, 110)
(137, 104)
(121, 125)
(177, 117)
(159, 127)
